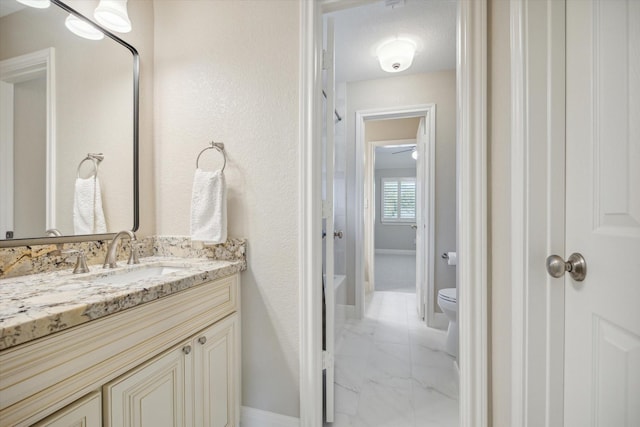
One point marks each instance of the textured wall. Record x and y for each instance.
(228, 71)
(438, 88)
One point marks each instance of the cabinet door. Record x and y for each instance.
(86, 412)
(152, 395)
(217, 374)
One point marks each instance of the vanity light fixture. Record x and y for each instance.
(39, 4)
(414, 154)
(82, 28)
(396, 55)
(113, 15)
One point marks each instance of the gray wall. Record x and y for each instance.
(389, 235)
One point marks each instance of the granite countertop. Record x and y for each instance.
(37, 305)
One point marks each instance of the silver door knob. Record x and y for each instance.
(414, 226)
(338, 234)
(575, 265)
(202, 340)
(186, 349)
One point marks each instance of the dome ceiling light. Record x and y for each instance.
(396, 55)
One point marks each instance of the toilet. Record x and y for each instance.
(448, 302)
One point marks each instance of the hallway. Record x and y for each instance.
(391, 371)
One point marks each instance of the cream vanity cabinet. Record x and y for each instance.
(189, 385)
(174, 361)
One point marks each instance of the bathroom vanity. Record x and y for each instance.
(148, 345)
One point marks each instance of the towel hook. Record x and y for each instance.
(217, 146)
(96, 158)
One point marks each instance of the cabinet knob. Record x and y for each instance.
(186, 349)
(202, 340)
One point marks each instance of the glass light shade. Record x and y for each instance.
(40, 4)
(414, 154)
(396, 55)
(83, 29)
(113, 15)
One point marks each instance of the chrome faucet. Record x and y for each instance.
(53, 232)
(110, 259)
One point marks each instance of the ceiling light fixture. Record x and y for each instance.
(40, 4)
(113, 15)
(82, 28)
(396, 55)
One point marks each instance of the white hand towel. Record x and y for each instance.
(88, 216)
(209, 207)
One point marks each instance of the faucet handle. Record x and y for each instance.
(81, 260)
(81, 263)
(133, 255)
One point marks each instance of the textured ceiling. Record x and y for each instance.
(359, 31)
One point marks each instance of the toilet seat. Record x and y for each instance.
(449, 294)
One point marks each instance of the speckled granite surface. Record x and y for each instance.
(23, 260)
(36, 305)
(39, 295)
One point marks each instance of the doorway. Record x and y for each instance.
(471, 216)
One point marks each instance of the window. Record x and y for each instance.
(398, 200)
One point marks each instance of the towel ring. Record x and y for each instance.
(214, 145)
(96, 158)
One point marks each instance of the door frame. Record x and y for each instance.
(428, 112)
(369, 191)
(537, 211)
(14, 70)
(471, 215)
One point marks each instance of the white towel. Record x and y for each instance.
(88, 216)
(209, 207)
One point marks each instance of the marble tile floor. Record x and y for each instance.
(391, 370)
(395, 273)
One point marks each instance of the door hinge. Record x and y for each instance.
(327, 359)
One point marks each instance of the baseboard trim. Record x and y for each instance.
(395, 252)
(251, 417)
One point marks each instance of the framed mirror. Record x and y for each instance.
(68, 129)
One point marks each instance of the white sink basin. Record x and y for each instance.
(145, 272)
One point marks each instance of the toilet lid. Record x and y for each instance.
(449, 294)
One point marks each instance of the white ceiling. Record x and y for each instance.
(359, 31)
(386, 159)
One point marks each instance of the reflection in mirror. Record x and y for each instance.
(68, 128)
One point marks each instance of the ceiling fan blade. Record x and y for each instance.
(403, 151)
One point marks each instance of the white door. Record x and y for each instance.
(421, 218)
(328, 221)
(602, 313)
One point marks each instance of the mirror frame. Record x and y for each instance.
(9, 243)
